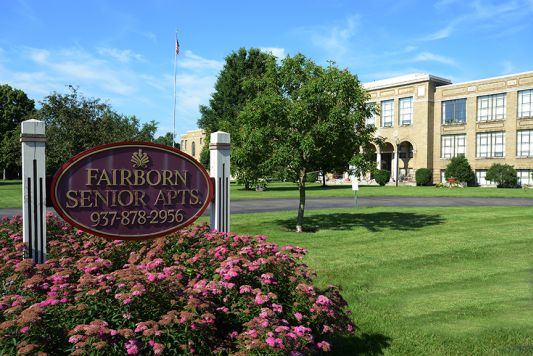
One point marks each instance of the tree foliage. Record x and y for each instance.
(232, 92)
(460, 169)
(503, 175)
(304, 111)
(15, 106)
(75, 123)
(167, 139)
(424, 176)
(381, 176)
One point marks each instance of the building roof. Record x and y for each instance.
(404, 79)
(490, 78)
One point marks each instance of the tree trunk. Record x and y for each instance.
(301, 205)
(323, 178)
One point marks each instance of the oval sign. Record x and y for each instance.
(131, 190)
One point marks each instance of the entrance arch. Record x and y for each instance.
(405, 168)
(387, 156)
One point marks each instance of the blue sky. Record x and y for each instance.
(123, 51)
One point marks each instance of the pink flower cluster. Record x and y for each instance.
(194, 292)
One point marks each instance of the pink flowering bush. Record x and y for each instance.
(194, 292)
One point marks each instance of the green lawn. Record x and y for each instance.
(314, 190)
(10, 194)
(421, 281)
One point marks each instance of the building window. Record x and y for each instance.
(454, 112)
(480, 177)
(524, 143)
(453, 145)
(491, 107)
(193, 149)
(490, 144)
(406, 111)
(387, 113)
(443, 176)
(371, 121)
(525, 103)
(201, 140)
(524, 176)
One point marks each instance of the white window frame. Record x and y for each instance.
(525, 104)
(524, 176)
(480, 177)
(490, 144)
(452, 146)
(387, 113)
(454, 120)
(491, 107)
(443, 176)
(406, 111)
(524, 143)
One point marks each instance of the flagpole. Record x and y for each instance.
(175, 59)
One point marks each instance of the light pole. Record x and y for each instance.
(397, 162)
(395, 134)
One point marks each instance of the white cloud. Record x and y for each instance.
(508, 67)
(192, 61)
(336, 40)
(276, 51)
(432, 57)
(123, 56)
(150, 35)
(130, 89)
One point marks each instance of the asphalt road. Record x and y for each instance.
(270, 205)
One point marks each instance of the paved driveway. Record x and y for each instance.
(268, 205)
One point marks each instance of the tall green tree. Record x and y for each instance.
(232, 92)
(167, 139)
(15, 106)
(75, 123)
(305, 114)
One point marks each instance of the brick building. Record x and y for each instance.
(428, 120)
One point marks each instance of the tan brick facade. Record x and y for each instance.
(487, 135)
(415, 138)
(192, 142)
(507, 89)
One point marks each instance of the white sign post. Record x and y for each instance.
(355, 188)
(220, 172)
(34, 189)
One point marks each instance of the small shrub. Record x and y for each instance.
(311, 177)
(193, 292)
(382, 177)
(460, 169)
(503, 175)
(424, 176)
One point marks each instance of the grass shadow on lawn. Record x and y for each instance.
(373, 221)
(365, 344)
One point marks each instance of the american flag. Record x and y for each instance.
(177, 45)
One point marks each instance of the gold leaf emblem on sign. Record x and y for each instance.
(140, 159)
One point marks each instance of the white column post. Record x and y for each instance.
(394, 164)
(220, 170)
(34, 189)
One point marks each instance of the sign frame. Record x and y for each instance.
(137, 144)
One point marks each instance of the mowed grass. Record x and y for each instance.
(10, 194)
(421, 281)
(314, 190)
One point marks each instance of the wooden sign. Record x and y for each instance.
(131, 190)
